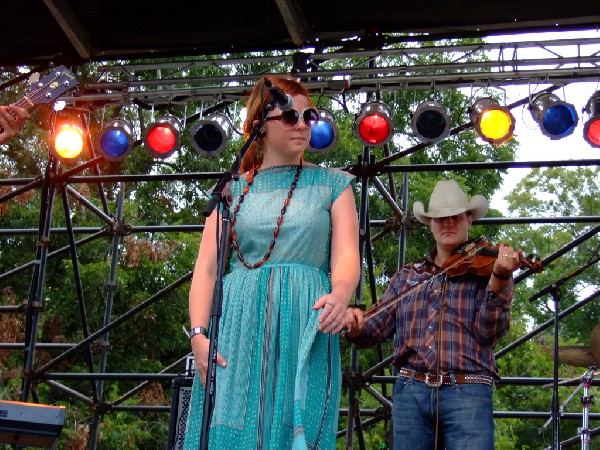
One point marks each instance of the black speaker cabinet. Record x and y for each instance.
(180, 405)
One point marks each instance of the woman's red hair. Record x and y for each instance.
(259, 97)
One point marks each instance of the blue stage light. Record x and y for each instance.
(115, 140)
(555, 117)
(324, 133)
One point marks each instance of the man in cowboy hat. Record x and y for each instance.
(445, 332)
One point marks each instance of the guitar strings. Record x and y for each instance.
(39, 92)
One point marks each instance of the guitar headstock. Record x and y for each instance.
(51, 86)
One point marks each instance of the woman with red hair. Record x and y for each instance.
(293, 270)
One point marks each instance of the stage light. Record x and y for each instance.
(163, 137)
(373, 126)
(591, 129)
(67, 140)
(209, 136)
(115, 140)
(430, 122)
(492, 122)
(324, 133)
(555, 117)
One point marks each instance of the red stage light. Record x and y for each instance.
(592, 135)
(373, 127)
(591, 129)
(162, 138)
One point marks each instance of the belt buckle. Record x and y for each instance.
(437, 383)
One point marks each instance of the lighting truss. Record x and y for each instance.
(355, 71)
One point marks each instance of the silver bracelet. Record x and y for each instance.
(198, 330)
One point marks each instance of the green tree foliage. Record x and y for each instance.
(560, 192)
(554, 192)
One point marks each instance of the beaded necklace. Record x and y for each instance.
(249, 182)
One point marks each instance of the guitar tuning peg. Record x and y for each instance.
(34, 78)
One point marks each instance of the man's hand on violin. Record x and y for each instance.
(354, 322)
(507, 262)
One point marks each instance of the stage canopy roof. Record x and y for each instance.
(74, 31)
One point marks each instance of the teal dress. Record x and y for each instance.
(281, 386)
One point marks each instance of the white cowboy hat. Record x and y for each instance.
(448, 199)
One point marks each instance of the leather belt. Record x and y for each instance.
(432, 379)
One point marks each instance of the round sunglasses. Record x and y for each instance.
(289, 119)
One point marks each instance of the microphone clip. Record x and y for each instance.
(279, 99)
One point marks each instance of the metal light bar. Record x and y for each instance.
(508, 69)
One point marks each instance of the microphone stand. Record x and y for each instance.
(586, 402)
(221, 195)
(555, 294)
(554, 291)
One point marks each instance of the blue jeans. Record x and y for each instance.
(464, 416)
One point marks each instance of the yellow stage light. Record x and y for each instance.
(68, 138)
(493, 123)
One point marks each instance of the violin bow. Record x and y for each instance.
(467, 251)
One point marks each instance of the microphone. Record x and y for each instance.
(284, 101)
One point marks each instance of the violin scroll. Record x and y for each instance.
(533, 263)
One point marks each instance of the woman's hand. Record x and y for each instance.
(200, 347)
(333, 316)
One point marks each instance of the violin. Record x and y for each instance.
(477, 257)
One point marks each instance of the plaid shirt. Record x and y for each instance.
(473, 319)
